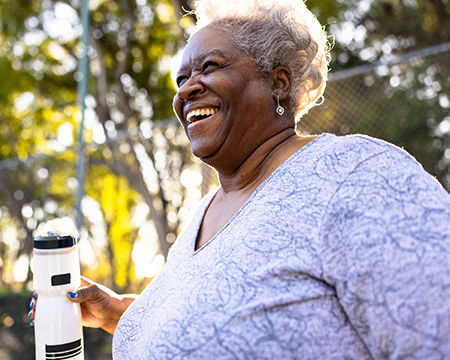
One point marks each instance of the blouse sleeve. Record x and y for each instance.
(386, 238)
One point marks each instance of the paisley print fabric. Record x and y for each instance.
(342, 253)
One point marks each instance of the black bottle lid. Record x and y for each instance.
(54, 242)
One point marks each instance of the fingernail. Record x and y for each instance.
(73, 294)
(31, 304)
(31, 324)
(29, 314)
(34, 294)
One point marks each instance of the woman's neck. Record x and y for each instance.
(262, 162)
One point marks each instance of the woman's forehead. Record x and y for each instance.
(207, 42)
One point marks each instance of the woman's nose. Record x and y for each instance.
(190, 88)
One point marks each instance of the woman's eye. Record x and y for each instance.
(181, 80)
(208, 65)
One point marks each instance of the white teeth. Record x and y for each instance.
(197, 112)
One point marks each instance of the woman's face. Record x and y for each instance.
(224, 103)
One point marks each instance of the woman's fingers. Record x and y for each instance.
(87, 290)
(33, 301)
(30, 316)
(85, 293)
(32, 306)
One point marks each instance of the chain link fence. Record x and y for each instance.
(406, 102)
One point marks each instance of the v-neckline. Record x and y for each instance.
(209, 198)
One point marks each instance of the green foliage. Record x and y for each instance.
(131, 44)
(116, 199)
(388, 27)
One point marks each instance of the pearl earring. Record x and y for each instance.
(280, 109)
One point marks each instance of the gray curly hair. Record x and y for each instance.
(275, 32)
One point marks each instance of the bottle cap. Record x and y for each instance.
(54, 242)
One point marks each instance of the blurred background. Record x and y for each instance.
(389, 79)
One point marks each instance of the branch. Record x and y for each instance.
(158, 218)
(137, 182)
(183, 8)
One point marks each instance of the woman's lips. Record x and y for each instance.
(200, 114)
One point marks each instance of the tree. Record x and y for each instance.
(30, 117)
(130, 89)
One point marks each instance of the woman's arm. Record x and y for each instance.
(387, 241)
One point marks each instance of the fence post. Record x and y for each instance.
(82, 90)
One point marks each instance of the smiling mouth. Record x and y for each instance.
(200, 114)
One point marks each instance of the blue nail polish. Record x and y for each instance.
(29, 314)
(31, 304)
(34, 294)
(73, 294)
(31, 324)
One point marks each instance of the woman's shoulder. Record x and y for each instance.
(352, 152)
(380, 156)
(381, 170)
(358, 164)
(363, 145)
(333, 158)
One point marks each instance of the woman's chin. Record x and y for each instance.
(202, 150)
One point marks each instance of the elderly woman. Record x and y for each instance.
(318, 247)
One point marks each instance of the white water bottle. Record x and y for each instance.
(57, 321)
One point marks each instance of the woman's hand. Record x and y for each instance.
(100, 306)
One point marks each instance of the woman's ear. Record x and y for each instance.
(281, 78)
